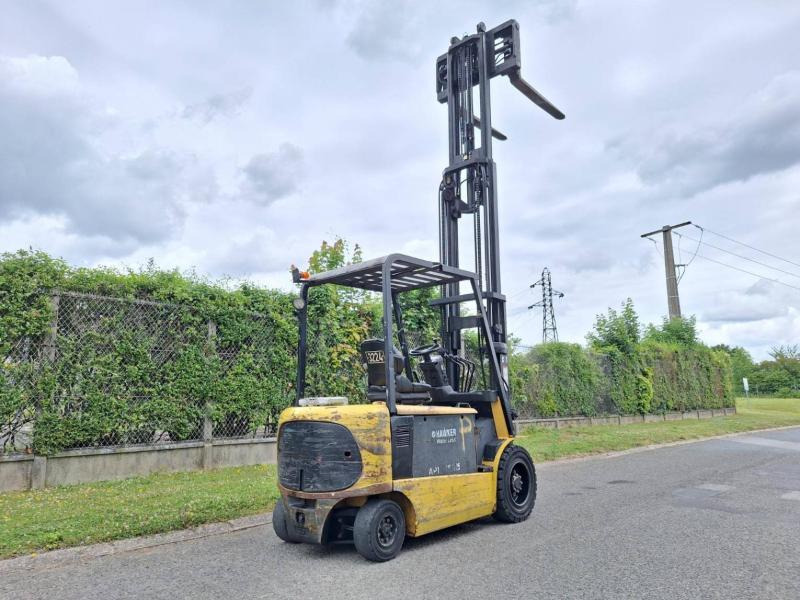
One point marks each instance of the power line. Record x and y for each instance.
(752, 260)
(700, 241)
(794, 287)
(682, 265)
(748, 246)
(655, 245)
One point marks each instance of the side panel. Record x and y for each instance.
(447, 500)
(444, 445)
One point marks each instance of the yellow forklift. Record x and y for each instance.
(427, 450)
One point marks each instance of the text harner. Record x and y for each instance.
(446, 435)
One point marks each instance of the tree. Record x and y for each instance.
(787, 359)
(787, 352)
(618, 330)
(678, 330)
(339, 319)
(742, 364)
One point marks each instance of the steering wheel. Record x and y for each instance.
(425, 350)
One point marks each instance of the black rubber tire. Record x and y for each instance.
(279, 523)
(379, 530)
(516, 485)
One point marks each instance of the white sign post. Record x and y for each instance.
(746, 386)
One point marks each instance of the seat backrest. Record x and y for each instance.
(372, 353)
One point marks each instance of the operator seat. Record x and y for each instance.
(406, 390)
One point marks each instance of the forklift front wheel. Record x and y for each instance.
(379, 530)
(516, 485)
(279, 522)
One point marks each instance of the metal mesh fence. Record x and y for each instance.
(117, 372)
(533, 397)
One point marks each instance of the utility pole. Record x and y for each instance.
(549, 329)
(673, 300)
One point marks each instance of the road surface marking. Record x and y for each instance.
(791, 496)
(770, 443)
(714, 487)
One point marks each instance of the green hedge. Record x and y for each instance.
(161, 350)
(558, 379)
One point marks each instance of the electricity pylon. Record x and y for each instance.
(549, 329)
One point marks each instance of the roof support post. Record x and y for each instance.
(388, 346)
(302, 317)
(401, 334)
(503, 387)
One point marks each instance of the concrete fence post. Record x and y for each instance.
(208, 424)
(39, 473)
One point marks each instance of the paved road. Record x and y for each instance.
(716, 519)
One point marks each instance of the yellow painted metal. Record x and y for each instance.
(447, 500)
(430, 503)
(369, 424)
(499, 419)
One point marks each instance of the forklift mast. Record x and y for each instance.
(469, 183)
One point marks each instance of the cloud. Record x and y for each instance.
(98, 165)
(761, 301)
(272, 176)
(763, 136)
(396, 31)
(261, 252)
(386, 31)
(218, 105)
(757, 336)
(51, 161)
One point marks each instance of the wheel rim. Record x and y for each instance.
(387, 531)
(520, 484)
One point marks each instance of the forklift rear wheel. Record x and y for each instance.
(379, 530)
(516, 485)
(279, 523)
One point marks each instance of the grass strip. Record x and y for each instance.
(761, 413)
(111, 510)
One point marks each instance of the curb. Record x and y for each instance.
(616, 453)
(57, 558)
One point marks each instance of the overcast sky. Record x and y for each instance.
(233, 137)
